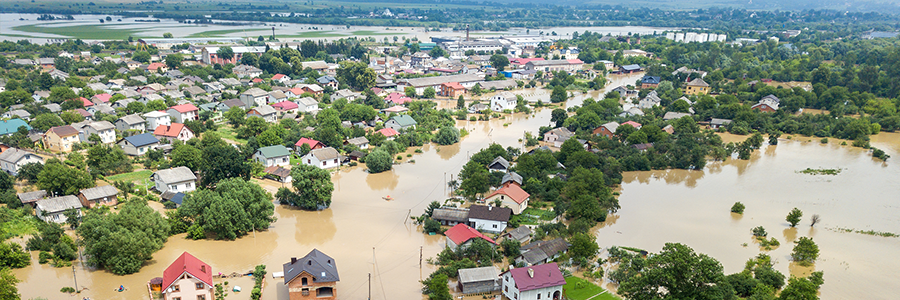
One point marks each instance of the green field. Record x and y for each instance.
(88, 32)
(220, 33)
(226, 132)
(17, 223)
(580, 289)
(136, 176)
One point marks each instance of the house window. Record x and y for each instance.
(199, 285)
(323, 163)
(516, 296)
(539, 296)
(176, 288)
(176, 298)
(506, 289)
(203, 297)
(495, 225)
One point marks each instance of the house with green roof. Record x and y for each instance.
(277, 155)
(12, 125)
(400, 122)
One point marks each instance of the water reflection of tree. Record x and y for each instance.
(313, 227)
(447, 152)
(671, 176)
(383, 181)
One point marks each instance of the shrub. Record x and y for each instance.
(432, 225)
(737, 208)
(759, 231)
(794, 217)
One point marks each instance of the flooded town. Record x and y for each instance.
(196, 154)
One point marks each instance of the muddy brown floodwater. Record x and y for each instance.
(693, 206)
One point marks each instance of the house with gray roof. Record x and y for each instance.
(253, 97)
(12, 159)
(104, 129)
(266, 112)
(277, 155)
(131, 122)
(450, 216)
(401, 122)
(360, 142)
(521, 234)
(307, 104)
(488, 218)
(479, 280)
(312, 276)
(499, 164)
(137, 145)
(53, 209)
(511, 178)
(17, 113)
(53, 107)
(179, 179)
(541, 252)
(324, 158)
(31, 197)
(674, 115)
(102, 195)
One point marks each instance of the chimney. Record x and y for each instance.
(203, 268)
(490, 207)
(531, 272)
(293, 260)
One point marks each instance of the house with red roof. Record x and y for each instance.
(281, 78)
(286, 107)
(188, 278)
(157, 67)
(452, 89)
(634, 124)
(461, 236)
(397, 98)
(518, 61)
(511, 196)
(313, 144)
(101, 98)
(389, 133)
(176, 131)
(86, 102)
(183, 113)
(532, 283)
(256, 80)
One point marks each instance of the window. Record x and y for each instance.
(506, 289)
(199, 285)
(323, 163)
(495, 225)
(539, 296)
(516, 296)
(201, 297)
(176, 288)
(176, 298)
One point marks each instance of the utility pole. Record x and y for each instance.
(370, 286)
(420, 257)
(74, 275)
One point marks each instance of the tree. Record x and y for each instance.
(559, 94)
(437, 52)
(379, 161)
(558, 117)
(7, 182)
(173, 61)
(447, 135)
(677, 272)
(410, 91)
(460, 102)
(357, 75)
(253, 126)
(232, 210)
(511, 248)
(475, 179)
(269, 137)
(313, 188)
(45, 121)
(225, 53)
(121, 242)
(805, 251)
(584, 246)
(13, 256)
(235, 116)
(803, 288)
(30, 172)
(221, 162)
(499, 62)
(794, 217)
(737, 208)
(108, 160)
(428, 93)
(436, 287)
(168, 35)
(141, 56)
(59, 179)
(8, 289)
(187, 156)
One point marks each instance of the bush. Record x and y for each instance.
(379, 161)
(737, 208)
(759, 231)
(432, 226)
(44, 257)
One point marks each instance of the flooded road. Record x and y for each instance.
(694, 206)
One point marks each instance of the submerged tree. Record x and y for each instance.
(794, 217)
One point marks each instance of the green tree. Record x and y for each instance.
(235, 116)
(583, 246)
(437, 288)
(460, 102)
(234, 209)
(187, 156)
(30, 171)
(313, 188)
(168, 35)
(357, 75)
(410, 91)
(121, 242)
(802, 288)
(141, 56)
(173, 61)
(56, 178)
(677, 272)
(794, 217)
(558, 117)
(737, 208)
(447, 135)
(269, 137)
(428, 93)
(225, 53)
(805, 251)
(499, 62)
(221, 162)
(379, 161)
(511, 248)
(108, 160)
(475, 179)
(13, 256)
(45, 121)
(558, 94)
(8, 289)
(253, 126)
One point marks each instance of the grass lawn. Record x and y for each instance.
(17, 223)
(227, 132)
(579, 289)
(545, 215)
(136, 176)
(90, 32)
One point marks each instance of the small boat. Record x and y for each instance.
(388, 198)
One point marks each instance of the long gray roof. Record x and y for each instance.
(99, 192)
(478, 274)
(450, 214)
(178, 174)
(13, 155)
(32, 196)
(321, 266)
(58, 204)
(325, 153)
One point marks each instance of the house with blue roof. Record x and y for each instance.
(328, 80)
(11, 126)
(137, 145)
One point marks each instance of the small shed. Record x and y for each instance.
(449, 216)
(479, 280)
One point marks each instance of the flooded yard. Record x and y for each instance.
(366, 234)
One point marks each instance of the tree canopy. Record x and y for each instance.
(312, 188)
(121, 242)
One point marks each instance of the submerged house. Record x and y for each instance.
(188, 278)
(313, 276)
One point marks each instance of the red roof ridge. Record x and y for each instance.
(461, 233)
(187, 263)
(514, 192)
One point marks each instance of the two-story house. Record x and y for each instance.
(176, 131)
(307, 105)
(313, 276)
(13, 158)
(503, 101)
(184, 112)
(188, 278)
(155, 119)
(511, 196)
(104, 129)
(489, 218)
(324, 158)
(179, 179)
(267, 113)
(137, 145)
(254, 97)
(60, 138)
(276, 155)
(533, 283)
(131, 122)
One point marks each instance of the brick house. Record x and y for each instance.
(313, 276)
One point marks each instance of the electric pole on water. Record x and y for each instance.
(370, 286)
(420, 257)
